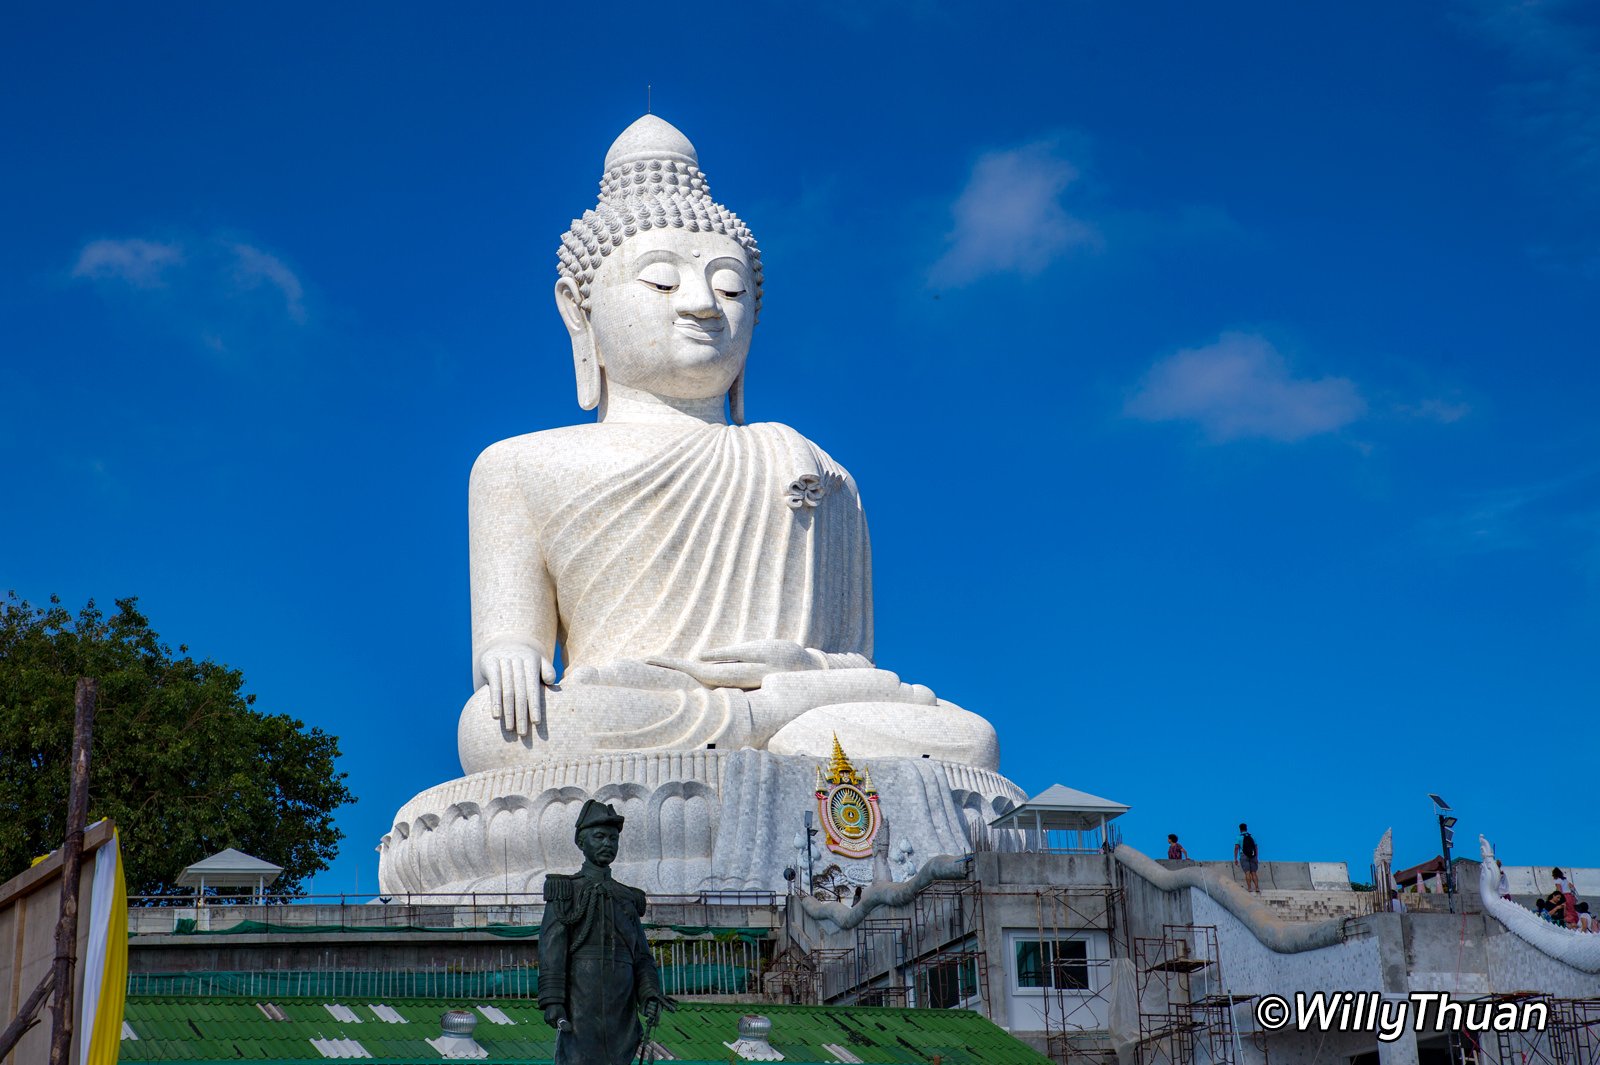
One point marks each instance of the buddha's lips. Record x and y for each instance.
(696, 331)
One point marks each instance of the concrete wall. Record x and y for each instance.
(1282, 876)
(1000, 870)
(1248, 967)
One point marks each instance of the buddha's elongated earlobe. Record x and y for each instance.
(586, 364)
(736, 400)
(590, 374)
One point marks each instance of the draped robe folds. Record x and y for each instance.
(731, 534)
(670, 545)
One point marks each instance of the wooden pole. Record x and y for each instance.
(71, 863)
(28, 1017)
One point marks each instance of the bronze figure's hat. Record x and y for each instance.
(595, 814)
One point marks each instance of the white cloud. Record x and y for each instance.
(253, 267)
(226, 296)
(1242, 387)
(140, 263)
(1009, 218)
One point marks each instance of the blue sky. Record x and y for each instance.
(1219, 378)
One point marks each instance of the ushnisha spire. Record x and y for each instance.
(652, 181)
(651, 138)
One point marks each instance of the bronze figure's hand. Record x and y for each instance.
(654, 1005)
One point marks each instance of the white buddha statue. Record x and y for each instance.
(708, 582)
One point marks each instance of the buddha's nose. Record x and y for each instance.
(696, 301)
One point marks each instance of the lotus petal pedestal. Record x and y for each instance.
(697, 821)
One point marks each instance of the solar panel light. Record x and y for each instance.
(1440, 803)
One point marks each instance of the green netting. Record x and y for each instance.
(185, 926)
(744, 935)
(493, 983)
(704, 978)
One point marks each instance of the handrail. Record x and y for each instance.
(514, 914)
(475, 900)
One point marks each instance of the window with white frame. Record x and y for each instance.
(1060, 964)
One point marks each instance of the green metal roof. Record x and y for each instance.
(211, 1030)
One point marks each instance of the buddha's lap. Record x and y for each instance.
(872, 711)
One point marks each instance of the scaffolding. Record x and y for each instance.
(880, 955)
(938, 950)
(1075, 988)
(939, 957)
(1185, 1009)
(792, 978)
(1571, 1036)
(836, 972)
(949, 967)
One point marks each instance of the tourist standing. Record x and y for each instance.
(1564, 900)
(1247, 856)
(1175, 851)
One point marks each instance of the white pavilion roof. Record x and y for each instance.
(229, 868)
(1059, 807)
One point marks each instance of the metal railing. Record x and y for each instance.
(495, 912)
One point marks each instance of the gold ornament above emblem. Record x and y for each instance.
(847, 806)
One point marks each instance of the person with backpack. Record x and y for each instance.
(1247, 857)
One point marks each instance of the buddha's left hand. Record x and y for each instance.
(745, 665)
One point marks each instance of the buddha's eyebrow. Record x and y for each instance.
(656, 255)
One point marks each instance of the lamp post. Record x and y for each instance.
(811, 870)
(1447, 837)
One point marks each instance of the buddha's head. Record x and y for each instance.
(660, 285)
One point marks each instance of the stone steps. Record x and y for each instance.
(1315, 905)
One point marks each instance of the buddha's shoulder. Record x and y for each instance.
(552, 452)
(541, 443)
(576, 455)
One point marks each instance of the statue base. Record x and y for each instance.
(697, 821)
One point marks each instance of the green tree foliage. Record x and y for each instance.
(181, 760)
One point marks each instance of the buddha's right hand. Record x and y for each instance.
(517, 674)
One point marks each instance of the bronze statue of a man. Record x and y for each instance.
(595, 968)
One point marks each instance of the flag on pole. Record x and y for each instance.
(105, 961)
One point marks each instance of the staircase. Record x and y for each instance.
(1315, 905)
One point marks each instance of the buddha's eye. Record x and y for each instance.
(660, 276)
(728, 284)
